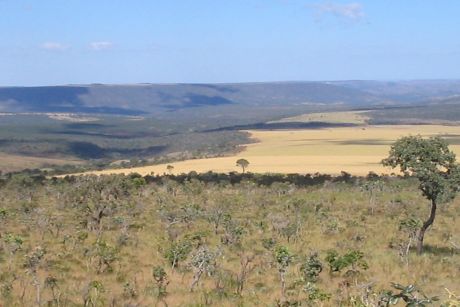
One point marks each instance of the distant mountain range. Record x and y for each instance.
(212, 99)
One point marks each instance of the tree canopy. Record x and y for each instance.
(434, 165)
(431, 162)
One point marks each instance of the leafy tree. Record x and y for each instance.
(177, 252)
(283, 258)
(316, 295)
(409, 294)
(170, 168)
(106, 255)
(161, 279)
(434, 165)
(31, 263)
(410, 227)
(311, 268)
(243, 163)
(203, 261)
(353, 259)
(338, 263)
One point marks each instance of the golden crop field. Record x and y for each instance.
(357, 150)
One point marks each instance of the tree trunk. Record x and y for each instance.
(283, 286)
(425, 226)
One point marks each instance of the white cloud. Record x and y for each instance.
(351, 11)
(55, 46)
(103, 45)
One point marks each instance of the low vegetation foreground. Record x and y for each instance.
(222, 240)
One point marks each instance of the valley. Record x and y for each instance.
(356, 150)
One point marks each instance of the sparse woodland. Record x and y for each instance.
(224, 240)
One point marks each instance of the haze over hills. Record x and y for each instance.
(161, 99)
(182, 121)
(411, 91)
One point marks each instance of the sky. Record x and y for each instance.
(55, 42)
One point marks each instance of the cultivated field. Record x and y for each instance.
(357, 150)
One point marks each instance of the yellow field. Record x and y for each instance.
(356, 150)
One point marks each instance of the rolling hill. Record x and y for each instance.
(163, 98)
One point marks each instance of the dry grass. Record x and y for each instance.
(357, 150)
(11, 163)
(351, 117)
(333, 216)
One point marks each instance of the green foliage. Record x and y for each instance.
(177, 252)
(138, 182)
(410, 294)
(161, 279)
(243, 163)
(311, 268)
(283, 257)
(431, 162)
(435, 167)
(354, 258)
(3, 213)
(106, 254)
(14, 241)
(163, 226)
(410, 225)
(315, 294)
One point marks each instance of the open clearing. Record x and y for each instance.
(357, 150)
(350, 117)
(12, 163)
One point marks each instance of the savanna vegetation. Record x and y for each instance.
(224, 240)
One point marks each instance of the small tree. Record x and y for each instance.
(161, 279)
(243, 163)
(434, 165)
(31, 263)
(372, 188)
(246, 268)
(177, 252)
(170, 168)
(410, 295)
(409, 226)
(283, 258)
(203, 261)
(311, 268)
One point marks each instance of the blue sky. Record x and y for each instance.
(45, 42)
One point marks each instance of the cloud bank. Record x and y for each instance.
(54, 46)
(103, 45)
(350, 11)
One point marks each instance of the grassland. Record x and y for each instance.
(346, 117)
(12, 163)
(357, 150)
(96, 240)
